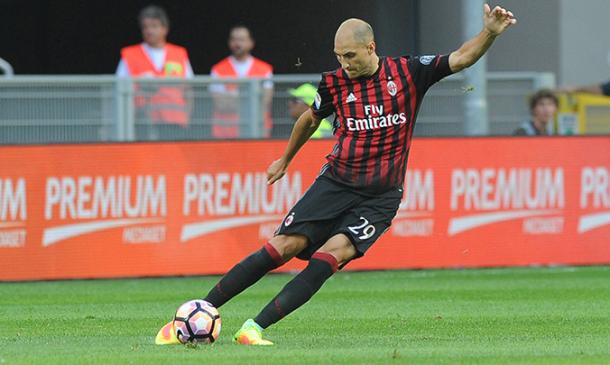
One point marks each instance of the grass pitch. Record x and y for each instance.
(524, 315)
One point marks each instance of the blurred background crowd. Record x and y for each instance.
(100, 72)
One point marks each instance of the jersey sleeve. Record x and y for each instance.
(428, 70)
(323, 105)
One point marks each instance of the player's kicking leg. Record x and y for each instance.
(273, 254)
(322, 265)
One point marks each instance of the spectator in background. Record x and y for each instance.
(598, 89)
(543, 107)
(229, 121)
(165, 108)
(6, 68)
(302, 98)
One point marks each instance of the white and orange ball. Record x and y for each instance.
(197, 321)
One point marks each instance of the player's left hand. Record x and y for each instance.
(497, 20)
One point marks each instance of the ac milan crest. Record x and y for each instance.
(392, 89)
(289, 219)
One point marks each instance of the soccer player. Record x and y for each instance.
(358, 191)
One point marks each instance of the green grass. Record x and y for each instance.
(525, 315)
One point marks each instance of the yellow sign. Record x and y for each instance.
(582, 113)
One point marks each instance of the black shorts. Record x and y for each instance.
(329, 208)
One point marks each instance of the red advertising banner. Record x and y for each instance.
(117, 210)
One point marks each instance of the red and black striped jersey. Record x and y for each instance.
(375, 117)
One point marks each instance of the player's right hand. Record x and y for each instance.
(276, 170)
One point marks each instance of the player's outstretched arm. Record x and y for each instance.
(495, 22)
(304, 127)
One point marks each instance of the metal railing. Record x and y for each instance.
(60, 109)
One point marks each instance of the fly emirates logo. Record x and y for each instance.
(235, 200)
(594, 194)
(375, 119)
(13, 212)
(416, 210)
(91, 204)
(491, 195)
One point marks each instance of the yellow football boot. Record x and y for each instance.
(251, 333)
(167, 335)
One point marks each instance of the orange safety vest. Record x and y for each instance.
(226, 125)
(166, 104)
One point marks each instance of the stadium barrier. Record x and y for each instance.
(156, 209)
(41, 109)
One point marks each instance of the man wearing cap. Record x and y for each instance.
(302, 98)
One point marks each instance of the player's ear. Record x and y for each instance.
(371, 47)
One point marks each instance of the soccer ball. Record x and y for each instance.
(197, 321)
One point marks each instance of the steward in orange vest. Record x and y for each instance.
(167, 104)
(228, 123)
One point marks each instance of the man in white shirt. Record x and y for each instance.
(230, 117)
(162, 111)
(157, 57)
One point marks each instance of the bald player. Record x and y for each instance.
(357, 193)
